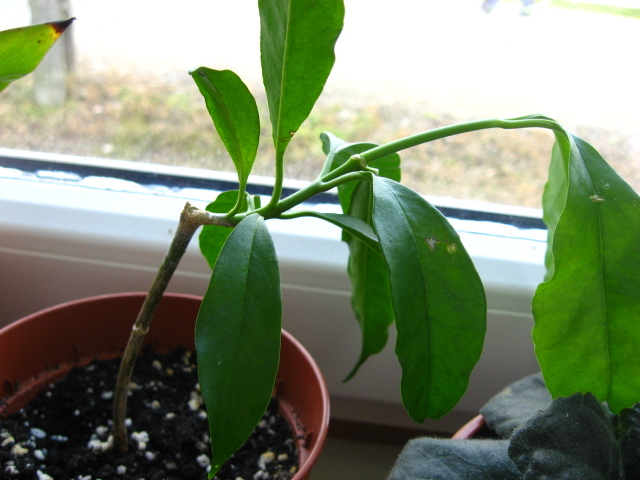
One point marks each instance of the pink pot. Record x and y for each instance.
(470, 429)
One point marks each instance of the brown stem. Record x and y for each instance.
(185, 231)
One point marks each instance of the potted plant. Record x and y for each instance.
(407, 264)
(166, 408)
(523, 433)
(44, 347)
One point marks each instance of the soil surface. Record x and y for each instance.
(64, 433)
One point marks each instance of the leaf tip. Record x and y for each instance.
(60, 27)
(196, 71)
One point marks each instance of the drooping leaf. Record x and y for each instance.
(22, 49)
(438, 299)
(238, 337)
(586, 331)
(212, 237)
(370, 297)
(297, 38)
(572, 439)
(350, 224)
(235, 115)
(370, 294)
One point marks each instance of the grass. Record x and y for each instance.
(598, 8)
(164, 121)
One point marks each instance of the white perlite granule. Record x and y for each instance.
(203, 461)
(43, 476)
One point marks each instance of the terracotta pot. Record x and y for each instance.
(470, 429)
(43, 347)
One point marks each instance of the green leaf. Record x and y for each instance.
(353, 225)
(212, 237)
(370, 296)
(297, 38)
(238, 337)
(22, 49)
(235, 115)
(438, 299)
(555, 195)
(338, 152)
(572, 439)
(586, 331)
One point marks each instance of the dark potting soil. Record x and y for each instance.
(63, 434)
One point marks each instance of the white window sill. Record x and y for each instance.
(64, 237)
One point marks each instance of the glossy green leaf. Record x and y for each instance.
(586, 316)
(238, 337)
(370, 295)
(297, 39)
(555, 195)
(212, 237)
(438, 299)
(235, 115)
(338, 152)
(349, 224)
(370, 292)
(22, 49)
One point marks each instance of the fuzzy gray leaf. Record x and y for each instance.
(571, 439)
(629, 428)
(516, 404)
(442, 459)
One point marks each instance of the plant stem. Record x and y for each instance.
(311, 190)
(278, 181)
(357, 165)
(438, 133)
(353, 164)
(241, 197)
(356, 168)
(187, 227)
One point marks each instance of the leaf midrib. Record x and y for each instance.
(285, 57)
(601, 260)
(429, 342)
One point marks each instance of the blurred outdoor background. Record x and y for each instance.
(402, 67)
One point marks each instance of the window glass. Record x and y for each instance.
(402, 67)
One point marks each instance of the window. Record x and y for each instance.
(132, 100)
(413, 67)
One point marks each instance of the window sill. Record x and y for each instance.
(65, 235)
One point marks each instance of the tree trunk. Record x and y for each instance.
(51, 76)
